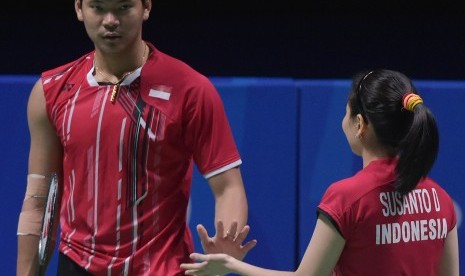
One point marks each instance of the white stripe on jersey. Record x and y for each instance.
(72, 181)
(64, 122)
(121, 145)
(126, 267)
(118, 228)
(223, 169)
(68, 241)
(70, 118)
(97, 156)
(149, 131)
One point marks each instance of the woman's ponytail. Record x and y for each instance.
(419, 147)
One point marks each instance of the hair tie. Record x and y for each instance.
(410, 100)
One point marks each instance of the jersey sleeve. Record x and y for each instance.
(207, 131)
(329, 208)
(339, 206)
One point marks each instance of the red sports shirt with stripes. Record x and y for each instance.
(127, 166)
(387, 233)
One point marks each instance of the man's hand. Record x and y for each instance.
(229, 243)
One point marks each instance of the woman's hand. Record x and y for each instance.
(211, 264)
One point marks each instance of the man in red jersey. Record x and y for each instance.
(122, 126)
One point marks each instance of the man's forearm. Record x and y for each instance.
(230, 207)
(27, 261)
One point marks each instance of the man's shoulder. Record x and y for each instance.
(166, 64)
(67, 67)
(63, 78)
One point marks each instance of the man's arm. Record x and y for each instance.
(230, 198)
(45, 157)
(230, 216)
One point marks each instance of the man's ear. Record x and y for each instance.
(147, 8)
(78, 9)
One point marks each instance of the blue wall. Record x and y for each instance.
(289, 135)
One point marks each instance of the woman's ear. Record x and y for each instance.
(361, 125)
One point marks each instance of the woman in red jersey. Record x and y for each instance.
(390, 218)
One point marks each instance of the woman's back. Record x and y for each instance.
(387, 233)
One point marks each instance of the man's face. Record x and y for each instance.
(112, 24)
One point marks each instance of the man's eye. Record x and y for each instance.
(124, 7)
(96, 7)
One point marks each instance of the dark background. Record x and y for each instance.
(298, 39)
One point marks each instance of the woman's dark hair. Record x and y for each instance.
(378, 96)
